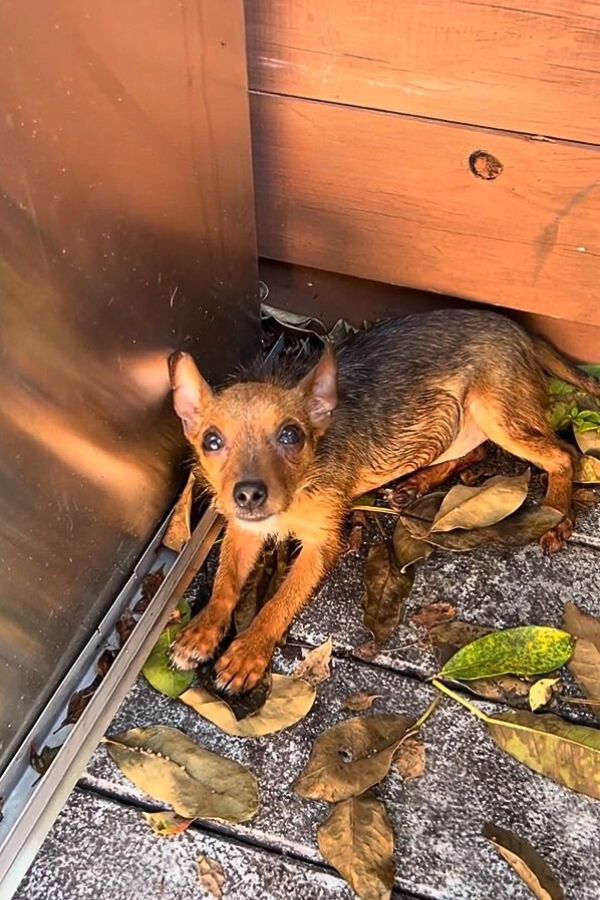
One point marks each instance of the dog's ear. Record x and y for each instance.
(320, 390)
(190, 392)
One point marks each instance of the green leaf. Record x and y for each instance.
(568, 754)
(529, 650)
(558, 388)
(158, 670)
(592, 370)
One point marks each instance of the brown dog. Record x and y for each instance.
(285, 451)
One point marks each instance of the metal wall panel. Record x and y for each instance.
(126, 230)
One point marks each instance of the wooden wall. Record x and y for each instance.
(448, 146)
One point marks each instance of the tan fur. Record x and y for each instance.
(417, 396)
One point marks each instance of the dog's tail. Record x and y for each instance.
(552, 362)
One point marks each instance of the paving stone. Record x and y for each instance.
(437, 819)
(100, 850)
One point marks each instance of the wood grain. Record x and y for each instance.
(392, 198)
(535, 70)
(330, 297)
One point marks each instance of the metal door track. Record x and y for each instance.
(31, 804)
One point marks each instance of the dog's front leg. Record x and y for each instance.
(242, 666)
(199, 640)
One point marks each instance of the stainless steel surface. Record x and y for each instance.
(126, 229)
(32, 804)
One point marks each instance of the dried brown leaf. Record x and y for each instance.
(241, 705)
(517, 530)
(541, 692)
(351, 757)
(316, 665)
(179, 529)
(585, 498)
(410, 759)
(125, 626)
(585, 662)
(433, 614)
(166, 764)
(105, 661)
(358, 841)
(167, 823)
(150, 585)
(360, 701)
(78, 703)
(386, 589)
(42, 761)
(407, 548)
(448, 637)
(508, 689)
(268, 573)
(479, 507)
(290, 701)
(211, 876)
(355, 537)
(526, 862)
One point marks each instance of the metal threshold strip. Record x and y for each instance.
(30, 806)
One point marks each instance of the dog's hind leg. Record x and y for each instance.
(426, 480)
(521, 429)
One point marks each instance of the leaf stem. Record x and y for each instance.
(462, 700)
(384, 510)
(424, 716)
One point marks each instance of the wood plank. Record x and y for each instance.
(534, 69)
(100, 849)
(330, 296)
(392, 198)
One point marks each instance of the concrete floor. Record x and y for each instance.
(102, 848)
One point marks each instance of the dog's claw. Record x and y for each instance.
(243, 665)
(555, 539)
(196, 643)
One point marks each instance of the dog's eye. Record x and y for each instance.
(212, 441)
(289, 435)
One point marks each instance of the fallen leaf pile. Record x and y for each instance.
(346, 762)
(518, 667)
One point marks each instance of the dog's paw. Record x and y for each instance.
(197, 642)
(244, 663)
(403, 495)
(555, 539)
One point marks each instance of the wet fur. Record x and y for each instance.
(414, 394)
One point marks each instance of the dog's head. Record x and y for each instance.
(255, 442)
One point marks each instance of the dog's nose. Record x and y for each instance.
(250, 494)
